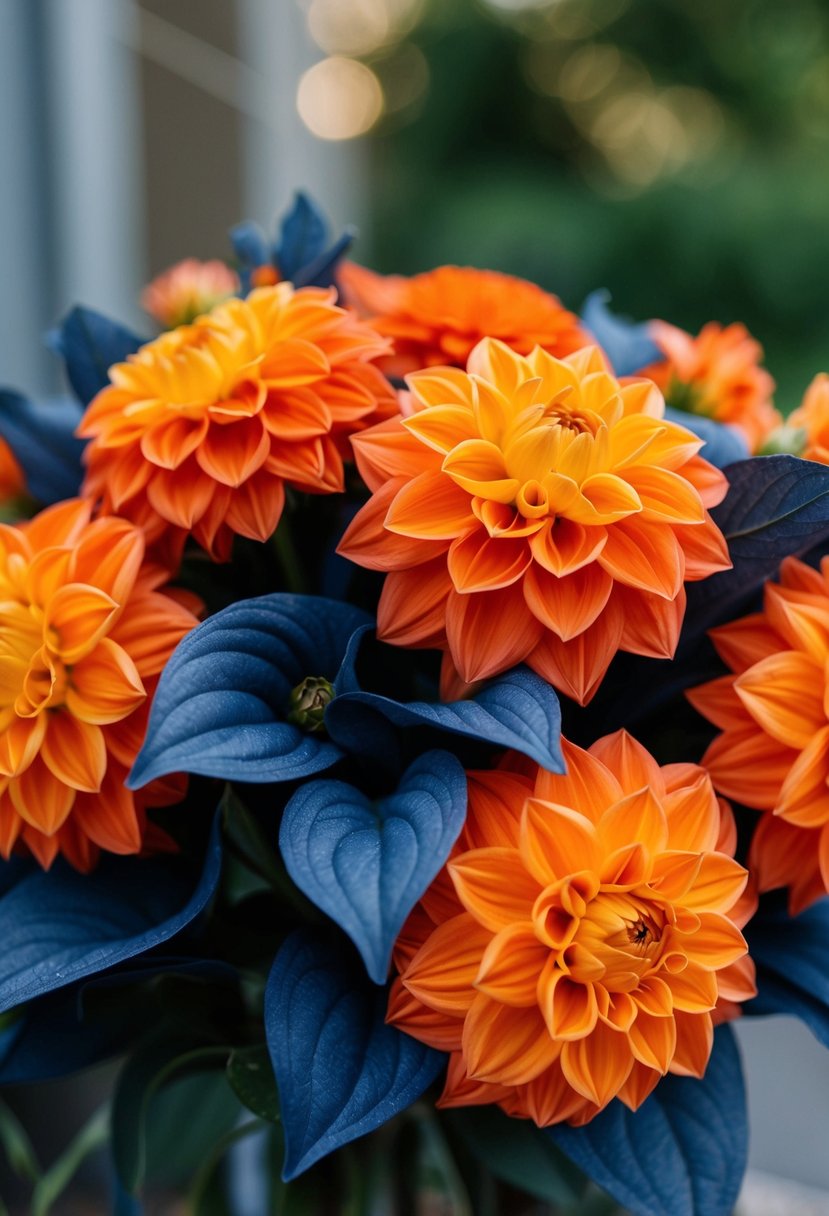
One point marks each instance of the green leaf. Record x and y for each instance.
(517, 1153)
(93, 1135)
(439, 1182)
(250, 1074)
(18, 1146)
(189, 1115)
(205, 1197)
(144, 1074)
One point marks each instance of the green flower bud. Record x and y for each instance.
(308, 701)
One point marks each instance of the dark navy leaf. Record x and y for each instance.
(41, 434)
(250, 244)
(366, 864)
(775, 506)
(340, 1070)
(90, 344)
(221, 704)
(724, 445)
(63, 926)
(627, 344)
(322, 271)
(303, 232)
(792, 957)
(683, 1153)
(517, 709)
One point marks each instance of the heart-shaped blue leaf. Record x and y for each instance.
(90, 344)
(42, 436)
(792, 957)
(340, 1070)
(628, 344)
(517, 709)
(63, 926)
(724, 445)
(683, 1153)
(366, 864)
(221, 704)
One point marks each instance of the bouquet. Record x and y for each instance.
(414, 744)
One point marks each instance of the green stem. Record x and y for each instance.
(286, 555)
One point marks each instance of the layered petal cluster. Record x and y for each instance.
(812, 415)
(717, 374)
(85, 634)
(581, 937)
(187, 290)
(201, 430)
(438, 317)
(773, 712)
(534, 510)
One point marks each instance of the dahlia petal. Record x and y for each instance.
(494, 886)
(598, 1066)
(577, 667)
(637, 817)
(10, 826)
(489, 632)
(80, 615)
(495, 801)
(387, 450)
(105, 686)
(716, 943)
(567, 605)
(782, 855)
(563, 546)
(653, 1041)
(47, 573)
(172, 440)
(639, 1086)
(256, 507)
(110, 819)
(801, 618)
(438, 1030)
(443, 427)
(232, 454)
(293, 362)
(719, 703)
(694, 1041)
(673, 873)
(630, 762)
(570, 1009)
(665, 496)
(442, 973)
(704, 547)
(587, 784)
(746, 641)
(549, 1098)
(511, 965)
(461, 1090)
(654, 995)
(479, 562)
(367, 542)
(644, 555)
(75, 752)
(784, 695)
(43, 848)
(478, 466)
(412, 608)
(109, 556)
(638, 439)
(611, 498)
(61, 524)
(709, 482)
(506, 1045)
(617, 1009)
(430, 506)
(181, 496)
(652, 625)
(804, 795)
(718, 885)
(416, 929)
(749, 766)
(693, 990)
(40, 798)
(149, 629)
(738, 981)
(20, 742)
(557, 841)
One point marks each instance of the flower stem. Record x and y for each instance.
(287, 558)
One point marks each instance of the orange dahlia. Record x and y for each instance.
(534, 510)
(12, 481)
(773, 712)
(187, 290)
(717, 374)
(438, 317)
(201, 429)
(85, 635)
(577, 944)
(812, 415)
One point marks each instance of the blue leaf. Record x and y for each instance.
(42, 437)
(340, 1070)
(724, 445)
(90, 344)
(627, 344)
(792, 957)
(775, 506)
(322, 271)
(63, 926)
(366, 864)
(683, 1153)
(250, 245)
(517, 709)
(303, 232)
(222, 700)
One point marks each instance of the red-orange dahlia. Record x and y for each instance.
(438, 317)
(12, 481)
(534, 510)
(201, 429)
(813, 416)
(187, 290)
(577, 944)
(85, 635)
(773, 712)
(717, 374)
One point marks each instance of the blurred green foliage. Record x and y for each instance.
(674, 151)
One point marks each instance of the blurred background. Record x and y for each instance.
(673, 151)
